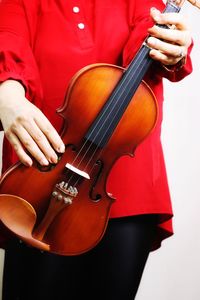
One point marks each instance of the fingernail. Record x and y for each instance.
(151, 41)
(155, 10)
(61, 149)
(44, 162)
(156, 14)
(53, 159)
(28, 163)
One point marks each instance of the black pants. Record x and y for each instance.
(110, 271)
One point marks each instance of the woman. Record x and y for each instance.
(42, 45)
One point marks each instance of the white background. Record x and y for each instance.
(173, 271)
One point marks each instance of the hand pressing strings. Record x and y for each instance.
(169, 45)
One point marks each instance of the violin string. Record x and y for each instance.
(121, 103)
(96, 149)
(113, 103)
(110, 112)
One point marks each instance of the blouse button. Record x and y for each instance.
(81, 26)
(76, 9)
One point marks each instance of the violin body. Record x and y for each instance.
(40, 204)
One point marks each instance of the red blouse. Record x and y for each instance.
(44, 43)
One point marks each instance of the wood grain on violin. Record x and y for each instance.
(64, 208)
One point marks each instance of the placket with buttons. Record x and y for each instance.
(81, 27)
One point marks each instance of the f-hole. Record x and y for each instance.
(96, 197)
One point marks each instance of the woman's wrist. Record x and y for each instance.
(10, 89)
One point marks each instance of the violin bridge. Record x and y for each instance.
(77, 171)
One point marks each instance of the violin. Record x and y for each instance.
(64, 208)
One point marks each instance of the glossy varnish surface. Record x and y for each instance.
(26, 192)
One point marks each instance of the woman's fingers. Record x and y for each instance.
(38, 137)
(165, 52)
(34, 140)
(21, 139)
(45, 136)
(17, 146)
(174, 36)
(169, 49)
(26, 127)
(169, 45)
(30, 132)
(168, 18)
(163, 58)
(49, 132)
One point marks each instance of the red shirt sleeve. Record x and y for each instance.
(16, 58)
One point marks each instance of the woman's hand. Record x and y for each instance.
(169, 46)
(26, 127)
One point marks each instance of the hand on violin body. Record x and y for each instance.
(26, 127)
(169, 45)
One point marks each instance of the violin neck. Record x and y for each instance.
(142, 61)
(107, 120)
